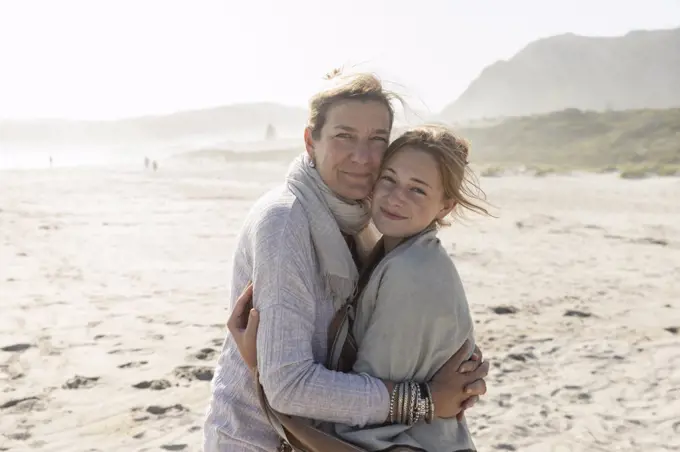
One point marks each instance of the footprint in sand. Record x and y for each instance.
(24, 405)
(21, 436)
(161, 410)
(155, 410)
(584, 397)
(117, 351)
(577, 313)
(80, 382)
(205, 354)
(154, 385)
(502, 310)
(16, 347)
(133, 364)
(523, 356)
(201, 373)
(174, 446)
(105, 336)
(650, 241)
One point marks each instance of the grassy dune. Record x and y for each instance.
(635, 142)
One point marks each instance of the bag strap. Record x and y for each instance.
(296, 434)
(342, 347)
(340, 337)
(272, 416)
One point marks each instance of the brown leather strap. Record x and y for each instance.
(342, 347)
(342, 352)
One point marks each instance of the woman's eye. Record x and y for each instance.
(387, 178)
(420, 191)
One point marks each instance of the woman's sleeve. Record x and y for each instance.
(420, 319)
(293, 382)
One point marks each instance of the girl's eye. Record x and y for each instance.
(420, 191)
(387, 178)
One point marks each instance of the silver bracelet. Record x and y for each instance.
(402, 414)
(393, 398)
(430, 412)
(410, 403)
(420, 405)
(414, 403)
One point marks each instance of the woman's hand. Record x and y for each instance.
(452, 388)
(242, 325)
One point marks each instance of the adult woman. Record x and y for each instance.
(298, 245)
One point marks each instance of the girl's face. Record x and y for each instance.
(409, 195)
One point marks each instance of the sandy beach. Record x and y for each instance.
(114, 297)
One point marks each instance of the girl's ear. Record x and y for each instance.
(447, 208)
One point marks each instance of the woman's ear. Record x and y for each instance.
(309, 143)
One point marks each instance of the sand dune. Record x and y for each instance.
(113, 290)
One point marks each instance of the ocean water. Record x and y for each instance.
(128, 154)
(63, 157)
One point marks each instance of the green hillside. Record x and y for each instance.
(581, 139)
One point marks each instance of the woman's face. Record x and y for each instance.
(409, 194)
(350, 147)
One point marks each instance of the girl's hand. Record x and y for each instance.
(451, 388)
(242, 325)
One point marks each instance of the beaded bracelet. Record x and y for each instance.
(410, 403)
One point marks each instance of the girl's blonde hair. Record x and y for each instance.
(450, 151)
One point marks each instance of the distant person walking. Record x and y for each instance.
(155, 166)
(146, 162)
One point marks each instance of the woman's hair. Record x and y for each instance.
(450, 151)
(362, 86)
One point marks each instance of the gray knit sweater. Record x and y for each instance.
(275, 251)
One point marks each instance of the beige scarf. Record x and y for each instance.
(329, 217)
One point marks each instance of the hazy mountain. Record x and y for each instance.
(638, 70)
(232, 122)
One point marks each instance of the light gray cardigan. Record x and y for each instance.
(411, 318)
(274, 249)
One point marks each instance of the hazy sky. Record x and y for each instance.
(105, 59)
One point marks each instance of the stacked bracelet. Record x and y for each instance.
(411, 403)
